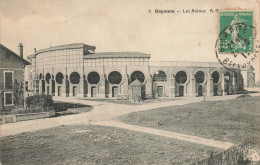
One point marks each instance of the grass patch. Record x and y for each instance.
(97, 145)
(234, 121)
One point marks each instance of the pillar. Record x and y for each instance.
(102, 87)
(80, 87)
(124, 87)
(172, 86)
(223, 84)
(149, 85)
(40, 86)
(234, 84)
(50, 86)
(209, 85)
(192, 91)
(63, 87)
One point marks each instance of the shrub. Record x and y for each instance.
(39, 101)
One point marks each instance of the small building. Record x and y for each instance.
(248, 76)
(11, 70)
(136, 91)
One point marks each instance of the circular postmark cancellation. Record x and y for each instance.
(236, 47)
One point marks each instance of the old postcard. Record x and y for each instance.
(129, 82)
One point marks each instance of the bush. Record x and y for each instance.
(39, 101)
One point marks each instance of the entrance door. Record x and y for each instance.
(48, 90)
(200, 90)
(215, 90)
(160, 91)
(75, 91)
(59, 90)
(93, 91)
(227, 89)
(181, 91)
(114, 91)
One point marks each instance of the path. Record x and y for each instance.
(168, 134)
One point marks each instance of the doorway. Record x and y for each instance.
(59, 90)
(93, 91)
(181, 91)
(114, 91)
(200, 90)
(160, 91)
(215, 90)
(227, 89)
(75, 91)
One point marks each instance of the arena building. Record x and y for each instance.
(75, 70)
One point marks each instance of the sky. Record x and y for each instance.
(118, 25)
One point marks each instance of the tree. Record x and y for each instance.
(17, 93)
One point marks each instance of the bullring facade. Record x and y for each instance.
(75, 70)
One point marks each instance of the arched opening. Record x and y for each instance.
(160, 76)
(48, 77)
(200, 77)
(215, 77)
(137, 75)
(114, 77)
(227, 77)
(93, 78)
(93, 91)
(114, 91)
(74, 78)
(160, 91)
(75, 91)
(181, 77)
(59, 78)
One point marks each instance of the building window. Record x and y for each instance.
(8, 98)
(8, 79)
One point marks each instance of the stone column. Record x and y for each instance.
(192, 91)
(50, 86)
(172, 86)
(71, 90)
(81, 87)
(40, 86)
(149, 85)
(102, 87)
(234, 85)
(125, 85)
(209, 85)
(63, 87)
(223, 84)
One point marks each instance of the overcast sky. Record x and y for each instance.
(113, 25)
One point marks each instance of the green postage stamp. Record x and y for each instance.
(236, 31)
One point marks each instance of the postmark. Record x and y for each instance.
(236, 45)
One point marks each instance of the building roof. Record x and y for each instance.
(136, 82)
(185, 63)
(16, 55)
(117, 54)
(62, 47)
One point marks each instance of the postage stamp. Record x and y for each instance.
(235, 46)
(236, 32)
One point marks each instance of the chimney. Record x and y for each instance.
(20, 49)
(34, 50)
